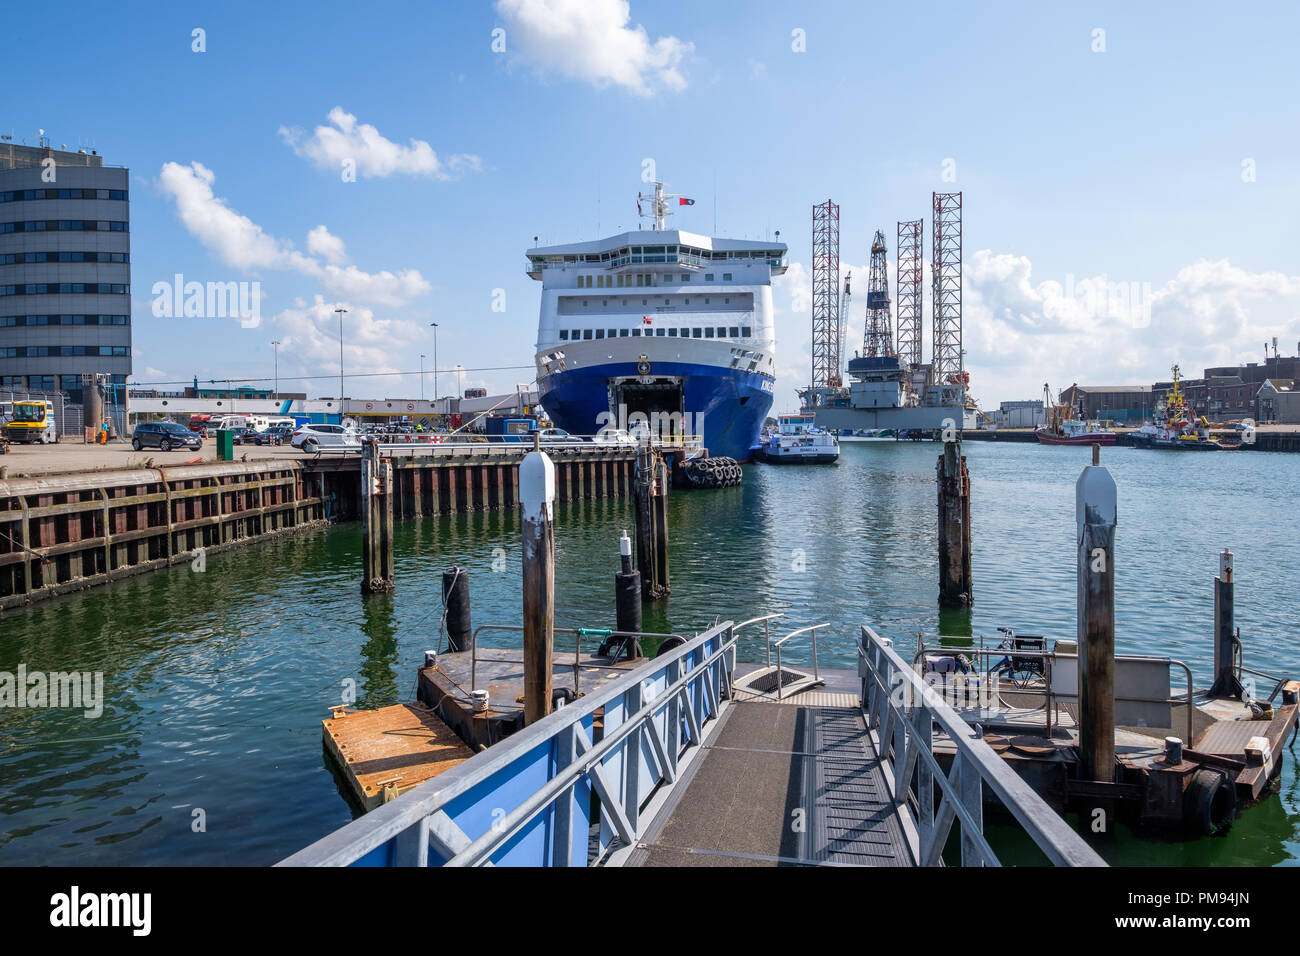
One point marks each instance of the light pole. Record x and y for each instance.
(341, 313)
(459, 391)
(275, 348)
(421, 376)
(435, 360)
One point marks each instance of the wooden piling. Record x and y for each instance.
(1226, 683)
(651, 522)
(954, 528)
(377, 520)
(536, 498)
(1095, 519)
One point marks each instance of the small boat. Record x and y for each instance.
(797, 441)
(1075, 431)
(1062, 430)
(867, 434)
(1176, 426)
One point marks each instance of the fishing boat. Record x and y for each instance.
(1062, 429)
(1176, 426)
(1073, 431)
(662, 327)
(797, 441)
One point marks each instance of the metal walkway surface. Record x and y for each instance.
(783, 785)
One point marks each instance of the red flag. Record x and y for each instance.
(638, 207)
(685, 202)
(645, 319)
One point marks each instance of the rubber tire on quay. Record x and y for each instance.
(1209, 802)
(670, 644)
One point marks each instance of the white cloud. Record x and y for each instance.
(590, 40)
(310, 343)
(239, 242)
(235, 239)
(344, 140)
(320, 242)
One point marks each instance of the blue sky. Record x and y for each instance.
(1079, 167)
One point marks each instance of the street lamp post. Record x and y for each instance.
(460, 393)
(435, 360)
(275, 348)
(341, 313)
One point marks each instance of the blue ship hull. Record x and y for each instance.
(729, 406)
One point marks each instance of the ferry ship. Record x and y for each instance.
(661, 328)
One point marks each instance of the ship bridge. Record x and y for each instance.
(660, 249)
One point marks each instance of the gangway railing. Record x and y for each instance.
(902, 713)
(527, 801)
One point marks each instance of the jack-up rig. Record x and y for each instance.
(891, 387)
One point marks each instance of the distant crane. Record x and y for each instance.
(846, 298)
(878, 339)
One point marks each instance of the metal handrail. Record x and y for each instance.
(767, 633)
(1049, 657)
(456, 813)
(902, 728)
(578, 634)
(780, 675)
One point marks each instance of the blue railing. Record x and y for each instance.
(527, 801)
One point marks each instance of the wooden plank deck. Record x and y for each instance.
(783, 785)
(383, 753)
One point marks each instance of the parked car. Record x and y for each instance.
(313, 437)
(241, 435)
(275, 435)
(556, 435)
(164, 436)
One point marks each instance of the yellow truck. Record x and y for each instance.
(32, 422)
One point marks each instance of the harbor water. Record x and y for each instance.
(208, 750)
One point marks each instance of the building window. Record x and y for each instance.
(40, 383)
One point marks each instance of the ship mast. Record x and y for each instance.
(658, 205)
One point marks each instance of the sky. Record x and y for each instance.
(1130, 173)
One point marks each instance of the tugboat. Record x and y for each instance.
(1060, 430)
(797, 440)
(1176, 425)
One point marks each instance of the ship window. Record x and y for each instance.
(622, 333)
(613, 333)
(575, 334)
(726, 277)
(564, 335)
(746, 331)
(660, 332)
(708, 333)
(686, 277)
(688, 301)
(600, 333)
(708, 277)
(726, 302)
(584, 303)
(640, 279)
(636, 333)
(643, 301)
(586, 333)
(706, 301)
(735, 332)
(672, 333)
(604, 302)
(667, 279)
(696, 333)
(722, 332)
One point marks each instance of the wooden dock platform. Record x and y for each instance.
(383, 753)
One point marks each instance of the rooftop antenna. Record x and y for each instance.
(658, 205)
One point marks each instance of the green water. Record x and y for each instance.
(216, 682)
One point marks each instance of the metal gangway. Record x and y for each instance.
(672, 764)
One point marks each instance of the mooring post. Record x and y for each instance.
(647, 522)
(455, 603)
(1095, 509)
(536, 500)
(627, 597)
(1226, 683)
(377, 520)
(954, 527)
(661, 526)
